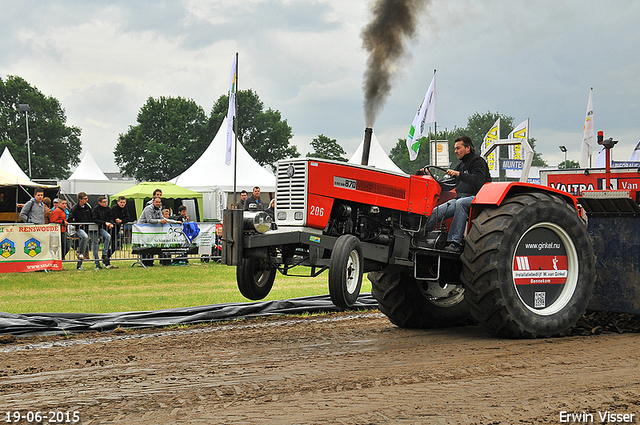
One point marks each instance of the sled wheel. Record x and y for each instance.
(402, 301)
(528, 267)
(345, 271)
(255, 278)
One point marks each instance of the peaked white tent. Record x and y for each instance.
(377, 157)
(213, 178)
(88, 170)
(89, 178)
(8, 164)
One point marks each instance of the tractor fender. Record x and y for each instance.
(493, 194)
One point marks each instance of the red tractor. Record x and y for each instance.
(527, 268)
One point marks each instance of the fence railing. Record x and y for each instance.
(121, 248)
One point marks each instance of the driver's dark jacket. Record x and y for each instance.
(474, 172)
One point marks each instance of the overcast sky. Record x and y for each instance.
(536, 60)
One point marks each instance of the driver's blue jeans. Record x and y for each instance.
(459, 210)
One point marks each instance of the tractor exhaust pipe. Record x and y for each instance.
(366, 146)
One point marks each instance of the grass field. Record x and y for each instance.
(137, 289)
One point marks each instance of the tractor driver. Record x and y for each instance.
(471, 173)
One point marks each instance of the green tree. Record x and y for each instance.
(170, 136)
(324, 147)
(264, 134)
(55, 147)
(564, 165)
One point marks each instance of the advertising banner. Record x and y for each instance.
(440, 153)
(173, 237)
(492, 135)
(29, 247)
(574, 181)
(512, 164)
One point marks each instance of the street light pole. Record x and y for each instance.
(24, 107)
(564, 149)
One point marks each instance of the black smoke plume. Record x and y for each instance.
(394, 21)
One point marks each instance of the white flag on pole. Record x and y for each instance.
(635, 156)
(588, 136)
(520, 132)
(426, 114)
(231, 112)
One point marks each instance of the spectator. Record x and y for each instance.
(66, 210)
(182, 214)
(80, 216)
(243, 197)
(271, 212)
(34, 210)
(152, 214)
(271, 209)
(218, 242)
(120, 217)
(59, 216)
(47, 209)
(56, 203)
(101, 215)
(254, 200)
(156, 194)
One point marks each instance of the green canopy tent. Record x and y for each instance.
(141, 193)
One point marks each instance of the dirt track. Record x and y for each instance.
(343, 368)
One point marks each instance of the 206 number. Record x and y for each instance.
(318, 211)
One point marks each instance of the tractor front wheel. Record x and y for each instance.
(255, 278)
(345, 271)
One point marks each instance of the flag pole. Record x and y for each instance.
(435, 128)
(591, 153)
(235, 131)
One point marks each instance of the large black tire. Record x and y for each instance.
(255, 278)
(345, 271)
(402, 301)
(528, 267)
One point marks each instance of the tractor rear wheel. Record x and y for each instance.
(528, 267)
(401, 300)
(255, 278)
(345, 271)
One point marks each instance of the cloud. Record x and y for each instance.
(102, 60)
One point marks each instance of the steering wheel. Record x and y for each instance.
(446, 182)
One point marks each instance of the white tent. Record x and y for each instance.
(89, 178)
(8, 164)
(213, 178)
(88, 170)
(377, 157)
